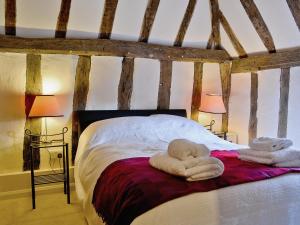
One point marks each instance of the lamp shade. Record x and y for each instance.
(212, 103)
(45, 106)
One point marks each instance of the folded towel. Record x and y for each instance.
(270, 144)
(182, 149)
(205, 168)
(255, 159)
(292, 163)
(271, 157)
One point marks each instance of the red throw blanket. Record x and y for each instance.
(127, 188)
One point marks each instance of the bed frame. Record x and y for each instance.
(83, 118)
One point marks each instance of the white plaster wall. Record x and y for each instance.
(12, 113)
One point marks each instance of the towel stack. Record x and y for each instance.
(271, 151)
(188, 159)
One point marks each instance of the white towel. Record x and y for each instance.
(205, 176)
(270, 157)
(182, 149)
(270, 144)
(292, 163)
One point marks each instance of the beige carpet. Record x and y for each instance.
(51, 209)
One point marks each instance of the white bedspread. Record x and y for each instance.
(269, 202)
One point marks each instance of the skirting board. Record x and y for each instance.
(20, 182)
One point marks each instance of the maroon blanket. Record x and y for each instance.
(129, 187)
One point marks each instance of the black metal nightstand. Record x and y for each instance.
(36, 144)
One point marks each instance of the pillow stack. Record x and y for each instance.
(188, 159)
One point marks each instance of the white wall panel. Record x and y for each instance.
(145, 84)
(182, 86)
(280, 22)
(268, 102)
(167, 21)
(129, 19)
(226, 43)
(239, 106)
(294, 107)
(85, 18)
(104, 81)
(37, 18)
(199, 29)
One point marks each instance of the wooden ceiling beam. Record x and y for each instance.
(281, 59)
(103, 47)
(215, 23)
(259, 24)
(10, 17)
(108, 18)
(148, 21)
(63, 18)
(185, 23)
(294, 6)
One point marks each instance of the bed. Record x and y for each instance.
(142, 133)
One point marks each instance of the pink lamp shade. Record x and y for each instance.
(45, 106)
(212, 103)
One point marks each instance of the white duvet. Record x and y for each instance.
(269, 202)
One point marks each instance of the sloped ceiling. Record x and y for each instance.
(37, 18)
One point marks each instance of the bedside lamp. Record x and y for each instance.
(212, 103)
(45, 106)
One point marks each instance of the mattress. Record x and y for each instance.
(273, 201)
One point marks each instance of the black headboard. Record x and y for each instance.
(83, 118)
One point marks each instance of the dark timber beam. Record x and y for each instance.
(283, 102)
(104, 47)
(264, 61)
(126, 83)
(33, 88)
(164, 91)
(225, 72)
(197, 90)
(259, 24)
(81, 90)
(63, 18)
(10, 17)
(234, 40)
(185, 23)
(108, 18)
(148, 20)
(252, 130)
(215, 23)
(294, 6)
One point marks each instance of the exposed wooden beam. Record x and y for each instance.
(234, 40)
(126, 83)
(63, 18)
(108, 18)
(10, 17)
(185, 23)
(164, 92)
(294, 6)
(33, 88)
(225, 72)
(210, 41)
(148, 20)
(197, 90)
(104, 47)
(81, 90)
(264, 61)
(252, 130)
(283, 102)
(215, 23)
(259, 24)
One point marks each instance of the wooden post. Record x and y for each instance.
(283, 102)
(294, 6)
(215, 23)
(63, 18)
(108, 18)
(126, 83)
(10, 17)
(197, 90)
(80, 95)
(253, 107)
(225, 72)
(164, 91)
(33, 88)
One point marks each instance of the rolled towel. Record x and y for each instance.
(292, 163)
(270, 157)
(205, 176)
(205, 165)
(182, 149)
(270, 144)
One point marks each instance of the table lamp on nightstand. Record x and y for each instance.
(212, 103)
